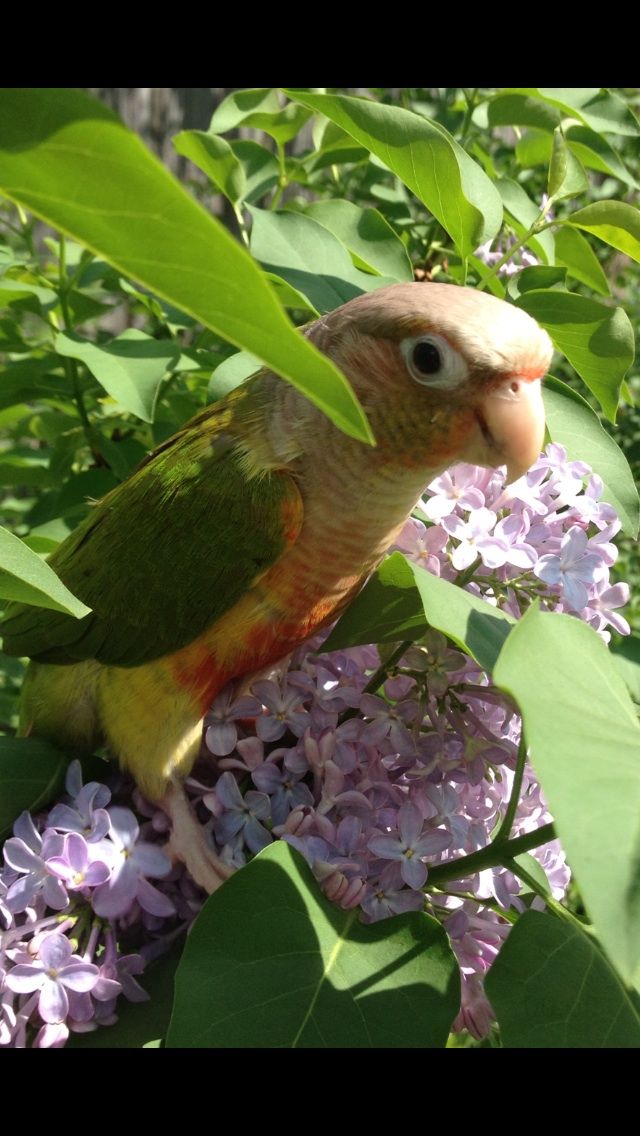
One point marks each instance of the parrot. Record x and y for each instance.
(252, 527)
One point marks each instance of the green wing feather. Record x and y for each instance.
(165, 554)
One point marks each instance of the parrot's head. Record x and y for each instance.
(444, 374)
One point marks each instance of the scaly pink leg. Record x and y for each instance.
(188, 842)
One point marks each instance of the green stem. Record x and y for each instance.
(538, 226)
(282, 179)
(378, 677)
(71, 365)
(237, 209)
(468, 573)
(493, 856)
(504, 830)
(471, 101)
(552, 904)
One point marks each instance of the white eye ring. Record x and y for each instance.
(433, 362)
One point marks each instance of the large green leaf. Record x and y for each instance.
(572, 422)
(575, 253)
(544, 107)
(591, 149)
(216, 159)
(626, 655)
(552, 988)
(260, 108)
(130, 367)
(309, 258)
(32, 772)
(426, 158)
(597, 340)
(271, 964)
(401, 600)
(615, 222)
(72, 162)
(584, 742)
(367, 235)
(26, 578)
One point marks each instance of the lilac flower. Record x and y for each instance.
(390, 897)
(132, 862)
(87, 814)
(285, 788)
(572, 570)
(53, 971)
(222, 733)
(28, 856)
(601, 609)
(284, 710)
(457, 488)
(387, 721)
(475, 536)
(410, 845)
(75, 865)
(241, 814)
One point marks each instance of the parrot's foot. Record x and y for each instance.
(188, 842)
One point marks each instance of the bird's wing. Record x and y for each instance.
(165, 554)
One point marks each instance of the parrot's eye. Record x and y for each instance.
(433, 362)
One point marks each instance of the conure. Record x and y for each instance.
(252, 527)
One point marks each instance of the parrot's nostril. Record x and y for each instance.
(515, 387)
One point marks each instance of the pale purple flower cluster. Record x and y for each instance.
(70, 885)
(548, 536)
(374, 785)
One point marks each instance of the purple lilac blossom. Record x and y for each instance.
(374, 788)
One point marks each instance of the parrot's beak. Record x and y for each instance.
(511, 420)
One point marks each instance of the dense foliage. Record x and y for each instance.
(468, 722)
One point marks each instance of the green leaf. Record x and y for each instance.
(260, 167)
(216, 159)
(558, 163)
(597, 154)
(524, 212)
(426, 158)
(475, 625)
(572, 422)
(512, 109)
(309, 258)
(614, 222)
(260, 108)
(401, 600)
(289, 296)
(32, 773)
(72, 162)
(367, 235)
(271, 964)
(30, 380)
(535, 277)
(543, 107)
(574, 251)
(26, 578)
(552, 988)
(231, 373)
(597, 340)
(387, 610)
(584, 742)
(591, 149)
(130, 368)
(140, 1025)
(626, 656)
(566, 174)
